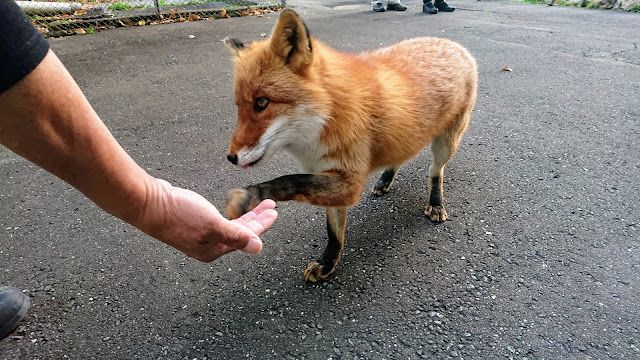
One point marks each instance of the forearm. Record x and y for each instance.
(46, 119)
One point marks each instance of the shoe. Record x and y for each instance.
(443, 6)
(377, 6)
(396, 6)
(428, 8)
(13, 308)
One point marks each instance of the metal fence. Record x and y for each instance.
(58, 18)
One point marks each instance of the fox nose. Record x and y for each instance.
(233, 159)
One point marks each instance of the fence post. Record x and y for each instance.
(157, 4)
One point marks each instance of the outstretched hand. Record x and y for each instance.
(188, 222)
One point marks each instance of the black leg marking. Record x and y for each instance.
(435, 199)
(332, 252)
(434, 209)
(336, 224)
(384, 183)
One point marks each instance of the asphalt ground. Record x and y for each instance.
(540, 257)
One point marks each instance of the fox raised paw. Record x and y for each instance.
(240, 202)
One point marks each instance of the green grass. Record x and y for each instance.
(194, 2)
(123, 6)
(91, 30)
(635, 9)
(587, 4)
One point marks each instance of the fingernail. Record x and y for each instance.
(254, 246)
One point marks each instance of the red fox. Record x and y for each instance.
(343, 116)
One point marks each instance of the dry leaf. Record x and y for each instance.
(78, 31)
(128, 22)
(142, 23)
(506, 69)
(80, 12)
(223, 14)
(191, 36)
(181, 19)
(194, 17)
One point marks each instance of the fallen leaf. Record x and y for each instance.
(223, 14)
(78, 31)
(506, 69)
(128, 22)
(142, 23)
(80, 12)
(194, 17)
(191, 36)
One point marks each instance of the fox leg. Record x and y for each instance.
(336, 224)
(328, 189)
(443, 148)
(386, 179)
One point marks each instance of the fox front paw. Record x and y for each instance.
(436, 213)
(240, 202)
(316, 271)
(380, 190)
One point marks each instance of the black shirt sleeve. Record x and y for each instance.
(22, 47)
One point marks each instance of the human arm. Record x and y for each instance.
(46, 119)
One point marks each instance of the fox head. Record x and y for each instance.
(273, 92)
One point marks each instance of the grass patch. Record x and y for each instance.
(587, 4)
(635, 9)
(124, 6)
(194, 2)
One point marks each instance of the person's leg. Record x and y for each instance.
(13, 308)
(428, 8)
(395, 5)
(377, 6)
(443, 6)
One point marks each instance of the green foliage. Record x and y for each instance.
(186, 2)
(635, 9)
(91, 30)
(125, 6)
(587, 4)
(119, 6)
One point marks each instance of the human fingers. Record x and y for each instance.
(264, 205)
(261, 222)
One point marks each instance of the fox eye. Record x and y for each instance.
(261, 103)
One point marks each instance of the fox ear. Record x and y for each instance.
(234, 45)
(290, 40)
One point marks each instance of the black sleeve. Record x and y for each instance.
(22, 47)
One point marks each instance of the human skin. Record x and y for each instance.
(46, 119)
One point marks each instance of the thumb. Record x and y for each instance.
(239, 237)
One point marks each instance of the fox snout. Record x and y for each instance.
(233, 158)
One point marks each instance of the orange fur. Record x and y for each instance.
(382, 106)
(344, 116)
